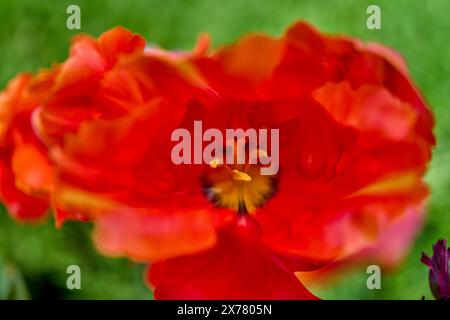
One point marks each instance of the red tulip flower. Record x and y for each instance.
(25, 171)
(355, 138)
(355, 141)
(36, 113)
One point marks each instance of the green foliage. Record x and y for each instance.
(39, 256)
(12, 284)
(33, 34)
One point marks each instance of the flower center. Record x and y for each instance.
(239, 187)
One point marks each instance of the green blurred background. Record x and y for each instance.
(33, 34)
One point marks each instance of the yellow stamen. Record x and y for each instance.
(215, 163)
(239, 187)
(241, 176)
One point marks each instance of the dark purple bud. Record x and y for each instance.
(439, 270)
